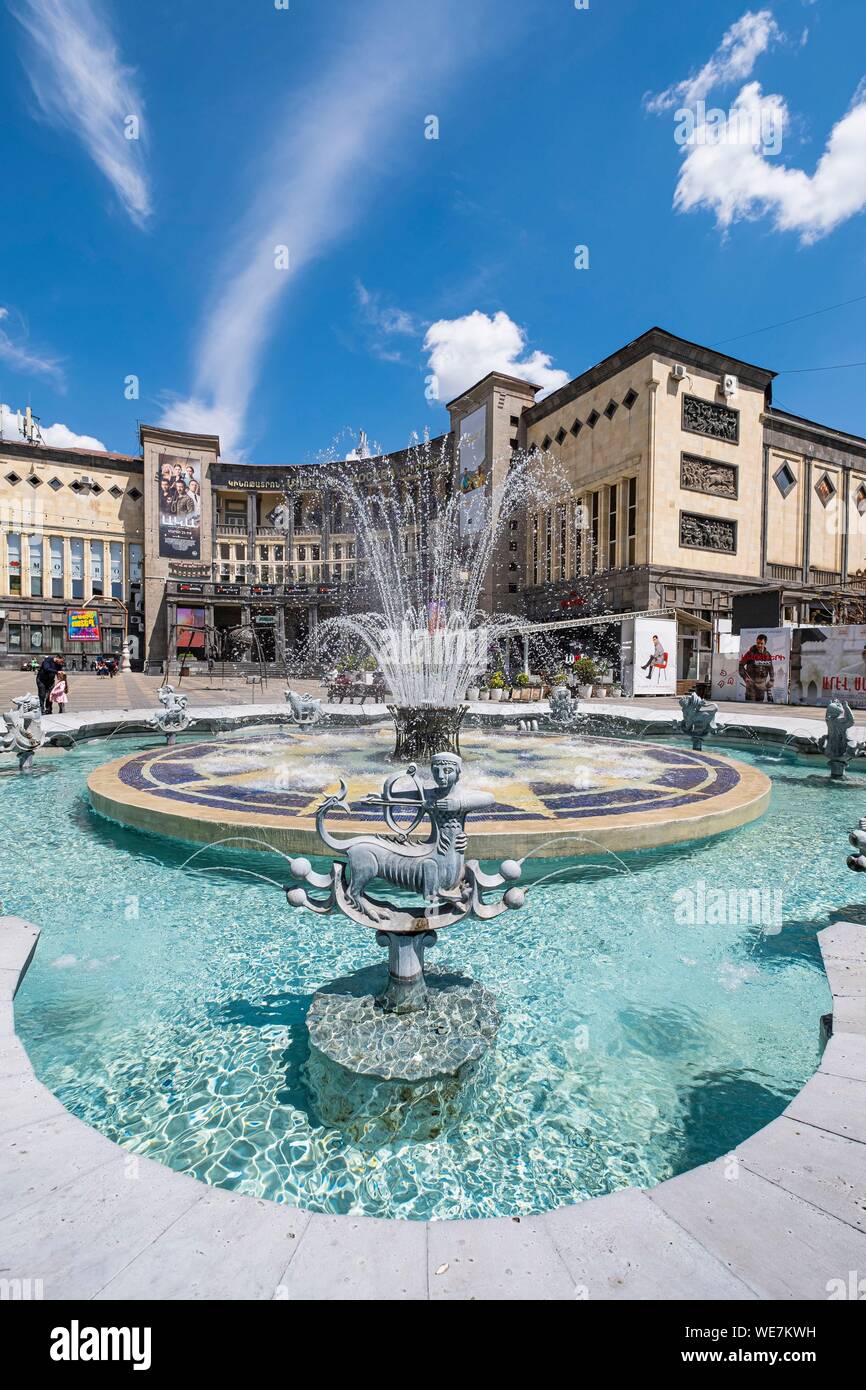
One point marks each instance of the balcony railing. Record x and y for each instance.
(790, 574)
(825, 576)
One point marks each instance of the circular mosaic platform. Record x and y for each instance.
(556, 795)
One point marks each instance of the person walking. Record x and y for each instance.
(45, 678)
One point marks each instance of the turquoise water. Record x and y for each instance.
(166, 1007)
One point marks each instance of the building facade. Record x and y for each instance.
(675, 482)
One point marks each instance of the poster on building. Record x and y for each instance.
(832, 665)
(654, 657)
(472, 472)
(82, 625)
(191, 630)
(760, 673)
(179, 494)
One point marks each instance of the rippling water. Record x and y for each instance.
(166, 1007)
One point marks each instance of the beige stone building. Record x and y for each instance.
(675, 482)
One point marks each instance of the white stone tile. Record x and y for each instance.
(821, 1167)
(832, 1102)
(227, 1246)
(622, 1246)
(358, 1259)
(501, 1258)
(845, 1055)
(779, 1245)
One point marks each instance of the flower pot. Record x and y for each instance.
(473, 693)
(584, 692)
(484, 695)
(496, 696)
(600, 690)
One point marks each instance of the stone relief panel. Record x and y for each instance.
(708, 533)
(710, 419)
(705, 475)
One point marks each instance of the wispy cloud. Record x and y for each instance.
(733, 61)
(314, 184)
(462, 351)
(384, 324)
(20, 358)
(81, 84)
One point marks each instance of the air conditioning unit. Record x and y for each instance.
(729, 385)
(679, 372)
(87, 481)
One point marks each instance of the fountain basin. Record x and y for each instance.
(555, 796)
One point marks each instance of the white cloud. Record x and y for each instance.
(21, 359)
(733, 177)
(313, 184)
(462, 351)
(733, 61)
(57, 435)
(80, 81)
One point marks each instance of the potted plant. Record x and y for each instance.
(616, 690)
(585, 673)
(484, 689)
(497, 685)
(368, 667)
(473, 693)
(520, 690)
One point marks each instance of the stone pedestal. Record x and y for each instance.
(346, 1024)
(405, 990)
(125, 663)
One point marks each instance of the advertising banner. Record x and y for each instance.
(654, 670)
(472, 474)
(190, 630)
(833, 665)
(179, 493)
(761, 671)
(82, 625)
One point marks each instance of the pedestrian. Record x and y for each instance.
(45, 678)
(59, 693)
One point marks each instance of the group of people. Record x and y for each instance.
(179, 495)
(52, 685)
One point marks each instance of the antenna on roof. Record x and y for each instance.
(30, 428)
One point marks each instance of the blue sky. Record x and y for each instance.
(412, 258)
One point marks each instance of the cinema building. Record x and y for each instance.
(682, 486)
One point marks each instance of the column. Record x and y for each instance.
(327, 501)
(313, 630)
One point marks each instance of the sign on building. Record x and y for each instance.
(179, 497)
(82, 625)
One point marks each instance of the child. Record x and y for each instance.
(59, 693)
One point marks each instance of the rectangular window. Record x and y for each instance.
(594, 533)
(577, 547)
(535, 548)
(240, 552)
(631, 548)
(57, 639)
(279, 552)
(611, 526)
(563, 543)
(76, 548)
(97, 582)
(14, 637)
(36, 566)
(13, 551)
(115, 554)
(135, 562)
(263, 553)
(224, 552)
(548, 546)
(36, 639)
(55, 545)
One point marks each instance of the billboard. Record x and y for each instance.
(759, 671)
(179, 499)
(82, 625)
(472, 472)
(654, 657)
(832, 665)
(190, 629)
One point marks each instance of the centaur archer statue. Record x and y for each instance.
(436, 868)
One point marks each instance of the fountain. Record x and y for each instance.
(698, 718)
(21, 732)
(425, 569)
(834, 744)
(172, 719)
(410, 1025)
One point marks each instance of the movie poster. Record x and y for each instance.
(472, 473)
(760, 673)
(179, 496)
(832, 665)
